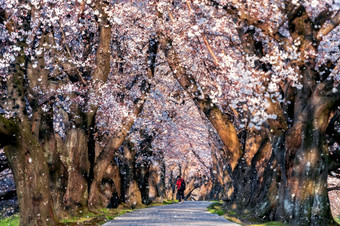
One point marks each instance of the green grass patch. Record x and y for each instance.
(216, 208)
(10, 221)
(104, 215)
(167, 202)
(243, 219)
(272, 223)
(99, 218)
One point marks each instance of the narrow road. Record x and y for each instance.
(185, 213)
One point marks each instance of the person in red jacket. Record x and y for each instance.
(180, 185)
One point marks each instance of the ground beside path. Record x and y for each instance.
(185, 213)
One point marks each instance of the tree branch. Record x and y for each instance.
(103, 53)
(210, 50)
(220, 122)
(70, 55)
(242, 17)
(328, 26)
(323, 17)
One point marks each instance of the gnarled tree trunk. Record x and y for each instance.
(132, 192)
(74, 155)
(20, 139)
(31, 174)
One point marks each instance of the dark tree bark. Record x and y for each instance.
(142, 168)
(22, 148)
(31, 178)
(306, 197)
(76, 151)
(156, 180)
(132, 194)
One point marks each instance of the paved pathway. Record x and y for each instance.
(185, 213)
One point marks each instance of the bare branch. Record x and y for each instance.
(210, 50)
(70, 55)
(189, 6)
(289, 16)
(328, 26)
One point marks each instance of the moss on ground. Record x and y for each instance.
(165, 202)
(243, 219)
(99, 218)
(106, 214)
(90, 218)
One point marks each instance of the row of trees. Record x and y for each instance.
(73, 85)
(91, 89)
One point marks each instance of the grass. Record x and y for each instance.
(337, 219)
(216, 208)
(165, 202)
(99, 218)
(10, 221)
(272, 223)
(90, 218)
(106, 214)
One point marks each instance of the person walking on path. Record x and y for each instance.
(180, 185)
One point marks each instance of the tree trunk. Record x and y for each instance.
(132, 192)
(74, 155)
(22, 148)
(288, 173)
(156, 182)
(31, 178)
(142, 179)
(306, 198)
(222, 184)
(57, 170)
(142, 168)
(170, 183)
(106, 156)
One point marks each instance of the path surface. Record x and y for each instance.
(185, 213)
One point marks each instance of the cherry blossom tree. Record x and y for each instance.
(246, 91)
(45, 69)
(271, 72)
